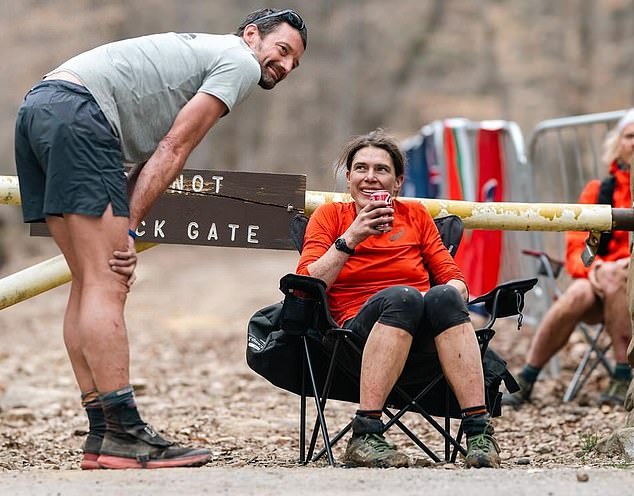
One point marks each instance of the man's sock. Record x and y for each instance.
(96, 420)
(530, 373)
(120, 410)
(622, 371)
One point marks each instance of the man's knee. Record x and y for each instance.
(578, 296)
(614, 281)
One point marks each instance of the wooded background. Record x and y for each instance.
(397, 64)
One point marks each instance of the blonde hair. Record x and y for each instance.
(611, 147)
(612, 142)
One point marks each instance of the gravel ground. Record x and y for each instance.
(187, 317)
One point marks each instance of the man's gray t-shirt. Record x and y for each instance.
(140, 84)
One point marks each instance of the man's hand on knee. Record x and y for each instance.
(124, 262)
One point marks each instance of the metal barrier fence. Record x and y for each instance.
(561, 156)
(564, 153)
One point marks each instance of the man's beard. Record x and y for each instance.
(267, 82)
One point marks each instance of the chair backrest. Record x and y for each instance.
(449, 227)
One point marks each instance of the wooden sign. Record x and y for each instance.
(223, 208)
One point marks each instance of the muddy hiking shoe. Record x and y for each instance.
(141, 447)
(373, 450)
(368, 447)
(615, 393)
(482, 451)
(519, 398)
(91, 449)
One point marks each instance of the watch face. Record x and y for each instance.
(341, 245)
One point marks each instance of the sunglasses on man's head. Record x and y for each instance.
(289, 15)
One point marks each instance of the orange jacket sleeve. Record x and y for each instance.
(575, 240)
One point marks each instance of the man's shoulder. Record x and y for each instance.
(230, 50)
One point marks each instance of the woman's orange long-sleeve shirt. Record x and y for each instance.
(407, 255)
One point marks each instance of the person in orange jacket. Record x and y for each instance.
(597, 293)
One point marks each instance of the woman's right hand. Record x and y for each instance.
(374, 219)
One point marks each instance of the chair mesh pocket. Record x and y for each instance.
(297, 314)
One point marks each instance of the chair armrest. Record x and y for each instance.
(339, 332)
(311, 285)
(507, 298)
(305, 303)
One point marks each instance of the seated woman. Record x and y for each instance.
(377, 260)
(597, 294)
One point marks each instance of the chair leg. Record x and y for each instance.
(593, 340)
(324, 399)
(411, 435)
(447, 444)
(412, 403)
(335, 439)
(320, 412)
(454, 453)
(580, 377)
(302, 415)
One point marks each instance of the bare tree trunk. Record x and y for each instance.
(491, 76)
(419, 43)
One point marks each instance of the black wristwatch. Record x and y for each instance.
(340, 244)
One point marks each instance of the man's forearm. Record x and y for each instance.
(152, 180)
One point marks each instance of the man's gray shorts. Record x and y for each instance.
(67, 156)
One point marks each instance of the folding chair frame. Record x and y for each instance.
(550, 268)
(503, 301)
(588, 363)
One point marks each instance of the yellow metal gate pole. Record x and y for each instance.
(9, 190)
(496, 216)
(511, 216)
(39, 278)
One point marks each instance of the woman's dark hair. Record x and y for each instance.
(378, 139)
(266, 20)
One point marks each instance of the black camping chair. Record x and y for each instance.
(296, 345)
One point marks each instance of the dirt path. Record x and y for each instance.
(187, 317)
(311, 481)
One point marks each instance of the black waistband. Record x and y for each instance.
(61, 84)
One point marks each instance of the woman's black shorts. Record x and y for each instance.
(424, 317)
